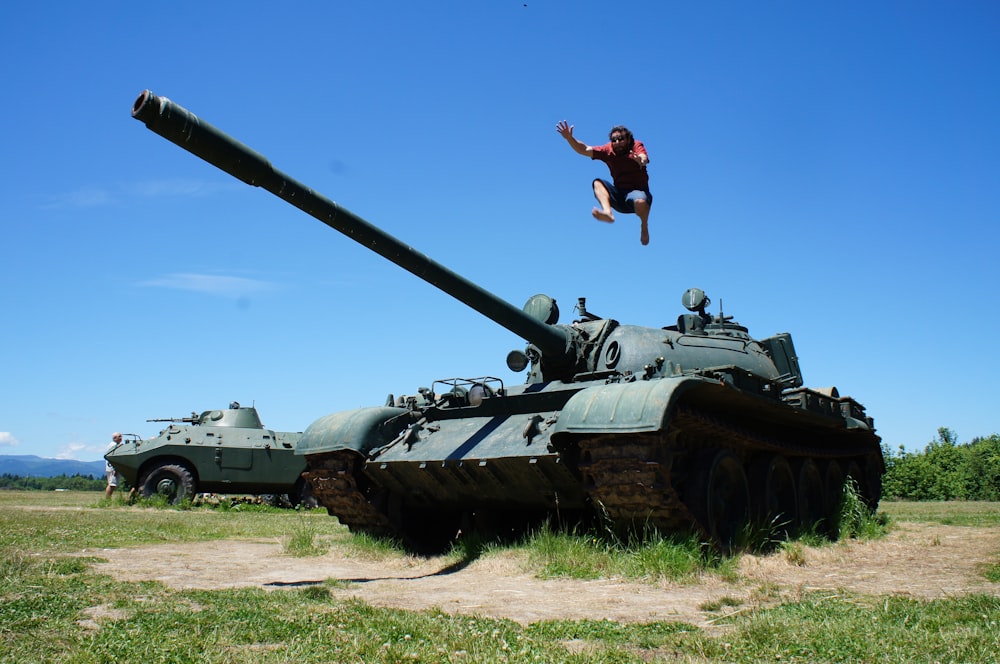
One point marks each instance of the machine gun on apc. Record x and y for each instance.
(194, 419)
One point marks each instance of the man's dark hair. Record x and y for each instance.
(623, 130)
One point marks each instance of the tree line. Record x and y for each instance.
(69, 482)
(944, 470)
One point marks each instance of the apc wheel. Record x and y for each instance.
(774, 501)
(719, 498)
(812, 510)
(171, 480)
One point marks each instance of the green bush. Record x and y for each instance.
(945, 470)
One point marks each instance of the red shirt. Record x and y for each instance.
(625, 172)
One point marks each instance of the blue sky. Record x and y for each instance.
(826, 169)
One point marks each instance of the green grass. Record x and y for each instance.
(305, 541)
(952, 513)
(588, 556)
(55, 608)
(53, 526)
(832, 628)
(857, 520)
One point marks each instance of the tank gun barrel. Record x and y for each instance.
(190, 420)
(180, 126)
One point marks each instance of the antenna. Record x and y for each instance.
(722, 316)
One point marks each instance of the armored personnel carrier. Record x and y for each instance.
(693, 424)
(219, 451)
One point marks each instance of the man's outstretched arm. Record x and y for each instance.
(566, 131)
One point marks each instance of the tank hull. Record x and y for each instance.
(638, 454)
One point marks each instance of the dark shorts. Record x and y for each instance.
(624, 201)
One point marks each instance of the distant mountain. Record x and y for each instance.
(29, 465)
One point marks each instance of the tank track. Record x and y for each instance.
(334, 480)
(632, 483)
(639, 480)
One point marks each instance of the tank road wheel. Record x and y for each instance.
(170, 480)
(833, 492)
(857, 477)
(718, 497)
(812, 508)
(867, 480)
(302, 495)
(874, 468)
(773, 498)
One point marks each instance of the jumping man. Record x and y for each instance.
(626, 159)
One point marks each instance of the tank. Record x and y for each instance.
(695, 424)
(219, 451)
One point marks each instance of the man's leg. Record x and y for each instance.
(642, 211)
(604, 198)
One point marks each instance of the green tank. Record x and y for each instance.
(220, 451)
(693, 424)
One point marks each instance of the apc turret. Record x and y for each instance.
(694, 424)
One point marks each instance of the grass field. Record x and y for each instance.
(958, 513)
(55, 608)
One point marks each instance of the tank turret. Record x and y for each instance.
(695, 423)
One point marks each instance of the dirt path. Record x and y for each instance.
(916, 560)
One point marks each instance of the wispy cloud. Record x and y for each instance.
(84, 197)
(213, 284)
(7, 439)
(90, 197)
(179, 187)
(71, 451)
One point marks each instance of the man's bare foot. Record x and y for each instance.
(601, 215)
(644, 235)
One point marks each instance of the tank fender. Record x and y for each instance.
(361, 430)
(638, 407)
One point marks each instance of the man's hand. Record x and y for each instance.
(565, 130)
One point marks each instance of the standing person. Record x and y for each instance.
(109, 470)
(626, 159)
